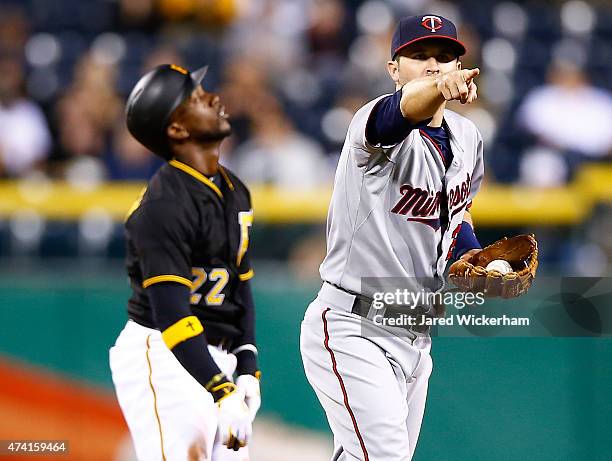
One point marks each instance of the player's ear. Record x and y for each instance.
(393, 69)
(176, 131)
(458, 65)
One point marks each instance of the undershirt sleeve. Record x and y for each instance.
(170, 305)
(386, 125)
(245, 347)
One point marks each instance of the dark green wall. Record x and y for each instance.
(489, 399)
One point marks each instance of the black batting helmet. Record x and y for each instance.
(152, 101)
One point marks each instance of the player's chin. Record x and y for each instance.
(225, 129)
(225, 126)
(222, 132)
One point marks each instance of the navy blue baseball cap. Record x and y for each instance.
(412, 29)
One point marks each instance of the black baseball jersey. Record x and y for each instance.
(194, 230)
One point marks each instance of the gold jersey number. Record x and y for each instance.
(214, 297)
(219, 275)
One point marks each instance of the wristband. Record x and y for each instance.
(246, 362)
(220, 387)
(466, 240)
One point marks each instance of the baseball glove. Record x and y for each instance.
(521, 252)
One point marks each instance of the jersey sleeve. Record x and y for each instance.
(163, 237)
(478, 172)
(360, 148)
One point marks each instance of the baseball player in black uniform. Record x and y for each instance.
(191, 314)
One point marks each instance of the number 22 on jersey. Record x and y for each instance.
(214, 297)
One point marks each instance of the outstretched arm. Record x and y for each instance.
(422, 97)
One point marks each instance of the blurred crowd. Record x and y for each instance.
(291, 74)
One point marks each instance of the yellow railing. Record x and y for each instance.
(494, 205)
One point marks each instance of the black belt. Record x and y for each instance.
(362, 306)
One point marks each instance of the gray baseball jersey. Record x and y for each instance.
(396, 210)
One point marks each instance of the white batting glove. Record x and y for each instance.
(249, 386)
(234, 420)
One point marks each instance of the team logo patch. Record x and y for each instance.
(431, 23)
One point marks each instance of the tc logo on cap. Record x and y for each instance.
(432, 23)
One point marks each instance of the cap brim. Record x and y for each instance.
(460, 46)
(198, 75)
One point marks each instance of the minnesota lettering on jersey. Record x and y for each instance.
(422, 205)
(457, 197)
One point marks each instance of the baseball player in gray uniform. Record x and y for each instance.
(406, 178)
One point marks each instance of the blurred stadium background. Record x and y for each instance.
(291, 73)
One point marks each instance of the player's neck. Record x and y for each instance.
(202, 158)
